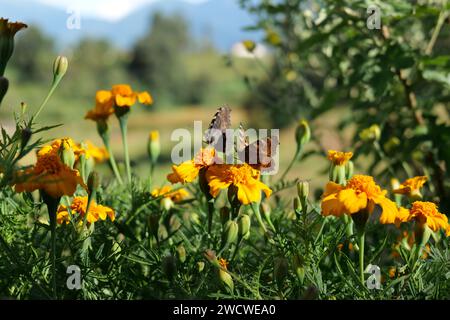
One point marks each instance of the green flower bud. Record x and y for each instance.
(302, 133)
(244, 223)
(230, 232)
(372, 133)
(60, 67)
(337, 173)
(68, 156)
(297, 206)
(4, 84)
(200, 266)
(167, 204)
(299, 268)
(303, 192)
(181, 253)
(249, 45)
(349, 169)
(26, 134)
(153, 146)
(226, 279)
(93, 182)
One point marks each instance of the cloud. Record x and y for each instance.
(111, 10)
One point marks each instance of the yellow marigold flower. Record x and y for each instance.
(104, 106)
(411, 187)
(426, 213)
(50, 175)
(392, 272)
(99, 154)
(187, 171)
(124, 96)
(79, 206)
(339, 158)
(360, 193)
(166, 192)
(403, 215)
(55, 146)
(242, 176)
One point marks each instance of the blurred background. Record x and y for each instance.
(317, 60)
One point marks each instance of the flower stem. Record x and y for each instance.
(112, 160)
(123, 121)
(294, 160)
(50, 93)
(361, 238)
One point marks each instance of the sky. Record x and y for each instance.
(111, 10)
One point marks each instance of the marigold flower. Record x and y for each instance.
(104, 106)
(65, 143)
(426, 213)
(339, 158)
(360, 193)
(124, 96)
(242, 176)
(403, 215)
(99, 154)
(10, 28)
(411, 187)
(79, 206)
(50, 175)
(187, 171)
(166, 192)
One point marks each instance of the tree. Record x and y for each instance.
(157, 57)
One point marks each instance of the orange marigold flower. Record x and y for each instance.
(104, 106)
(50, 175)
(360, 193)
(411, 187)
(124, 96)
(56, 145)
(79, 206)
(339, 158)
(187, 171)
(166, 192)
(242, 176)
(426, 213)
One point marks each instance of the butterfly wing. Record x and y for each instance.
(220, 123)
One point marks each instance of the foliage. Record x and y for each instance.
(395, 77)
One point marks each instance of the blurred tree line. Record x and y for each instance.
(393, 74)
(155, 62)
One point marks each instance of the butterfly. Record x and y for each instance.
(216, 134)
(258, 154)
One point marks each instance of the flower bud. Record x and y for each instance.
(299, 267)
(249, 45)
(302, 133)
(337, 173)
(280, 270)
(93, 182)
(224, 276)
(200, 266)
(25, 137)
(244, 223)
(297, 205)
(166, 203)
(153, 146)
(230, 232)
(60, 67)
(181, 253)
(303, 192)
(67, 155)
(225, 214)
(4, 84)
(372, 133)
(349, 169)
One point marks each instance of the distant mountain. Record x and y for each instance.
(220, 20)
